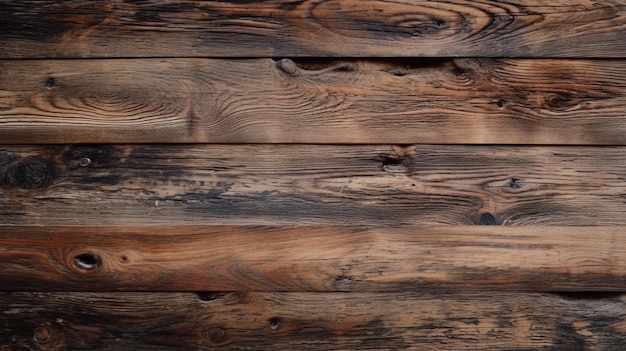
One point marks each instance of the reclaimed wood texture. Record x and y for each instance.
(279, 321)
(313, 175)
(540, 28)
(242, 258)
(419, 185)
(506, 101)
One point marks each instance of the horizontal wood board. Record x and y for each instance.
(406, 101)
(375, 185)
(288, 321)
(540, 28)
(245, 258)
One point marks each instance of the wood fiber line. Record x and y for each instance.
(288, 321)
(460, 101)
(379, 186)
(253, 258)
(446, 28)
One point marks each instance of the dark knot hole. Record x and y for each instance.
(487, 219)
(275, 323)
(87, 261)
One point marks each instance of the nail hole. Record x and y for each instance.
(275, 323)
(84, 161)
(50, 82)
(500, 103)
(124, 258)
(87, 261)
(487, 219)
(514, 184)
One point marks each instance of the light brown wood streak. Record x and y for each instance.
(541, 28)
(243, 258)
(289, 321)
(254, 101)
(411, 186)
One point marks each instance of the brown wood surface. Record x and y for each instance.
(244, 258)
(311, 321)
(199, 192)
(421, 185)
(539, 28)
(507, 101)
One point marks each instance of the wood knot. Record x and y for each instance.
(29, 173)
(487, 219)
(42, 335)
(555, 101)
(343, 283)
(87, 262)
(216, 335)
(287, 66)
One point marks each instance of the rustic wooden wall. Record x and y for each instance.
(313, 175)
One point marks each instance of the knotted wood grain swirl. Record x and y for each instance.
(291, 258)
(112, 28)
(313, 101)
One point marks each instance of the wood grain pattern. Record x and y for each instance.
(421, 185)
(266, 101)
(113, 28)
(244, 258)
(289, 321)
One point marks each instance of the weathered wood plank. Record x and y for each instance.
(420, 185)
(290, 321)
(113, 28)
(259, 101)
(244, 258)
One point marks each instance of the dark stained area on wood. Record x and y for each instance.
(287, 321)
(349, 28)
(460, 101)
(378, 185)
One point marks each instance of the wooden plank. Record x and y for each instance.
(289, 321)
(509, 101)
(245, 258)
(113, 28)
(421, 185)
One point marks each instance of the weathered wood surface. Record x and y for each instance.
(244, 258)
(508, 101)
(311, 321)
(421, 185)
(540, 28)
